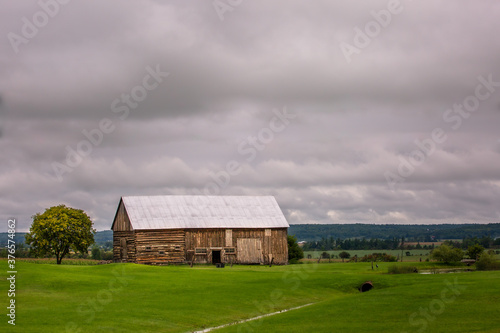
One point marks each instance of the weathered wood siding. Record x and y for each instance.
(278, 248)
(122, 222)
(123, 237)
(123, 246)
(160, 246)
(273, 244)
(249, 250)
(207, 239)
(178, 246)
(203, 245)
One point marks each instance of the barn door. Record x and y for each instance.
(249, 251)
(123, 248)
(216, 257)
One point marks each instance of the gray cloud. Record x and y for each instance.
(354, 122)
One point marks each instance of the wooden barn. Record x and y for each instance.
(205, 229)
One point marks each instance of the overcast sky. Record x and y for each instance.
(345, 112)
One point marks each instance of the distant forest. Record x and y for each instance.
(102, 238)
(326, 237)
(413, 232)
(355, 236)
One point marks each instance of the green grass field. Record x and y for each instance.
(138, 298)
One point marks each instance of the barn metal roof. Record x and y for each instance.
(197, 211)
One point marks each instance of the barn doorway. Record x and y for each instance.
(215, 257)
(123, 249)
(249, 251)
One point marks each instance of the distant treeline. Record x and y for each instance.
(413, 233)
(330, 243)
(18, 238)
(376, 236)
(102, 249)
(102, 238)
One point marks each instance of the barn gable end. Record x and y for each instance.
(121, 221)
(124, 249)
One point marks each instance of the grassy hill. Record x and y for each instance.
(137, 298)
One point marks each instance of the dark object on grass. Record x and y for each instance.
(220, 265)
(397, 269)
(468, 262)
(368, 285)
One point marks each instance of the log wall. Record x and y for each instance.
(178, 246)
(160, 247)
(121, 254)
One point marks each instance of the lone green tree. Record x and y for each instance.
(325, 255)
(344, 255)
(58, 230)
(487, 262)
(447, 254)
(295, 253)
(96, 253)
(475, 251)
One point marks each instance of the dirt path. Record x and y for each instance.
(250, 319)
